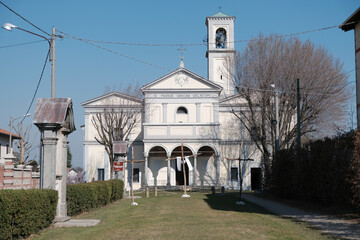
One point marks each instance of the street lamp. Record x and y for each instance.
(51, 41)
(275, 122)
(11, 125)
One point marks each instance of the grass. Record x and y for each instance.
(203, 216)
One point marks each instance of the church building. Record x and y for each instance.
(183, 107)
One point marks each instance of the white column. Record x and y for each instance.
(168, 184)
(164, 112)
(217, 161)
(146, 170)
(198, 118)
(195, 172)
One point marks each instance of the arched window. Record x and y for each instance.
(182, 115)
(182, 110)
(220, 38)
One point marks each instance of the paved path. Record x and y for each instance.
(345, 229)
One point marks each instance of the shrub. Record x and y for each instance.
(85, 196)
(325, 171)
(23, 212)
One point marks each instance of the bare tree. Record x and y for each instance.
(280, 61)
(117, 121)
(25, 144)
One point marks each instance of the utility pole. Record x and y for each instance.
(275, 122)
(52, 59)
(277, 143)
(298, 139)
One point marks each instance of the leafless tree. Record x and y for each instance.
(118, 120)
(25, 144)
(280, 61)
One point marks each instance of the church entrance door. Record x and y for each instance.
(179, 174)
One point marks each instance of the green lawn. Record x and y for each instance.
(169, 216)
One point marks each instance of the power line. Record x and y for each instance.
(118, 53)
(192, 44)
(37, 87)
(20, 44)
(17, 14)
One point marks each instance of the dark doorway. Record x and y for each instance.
(255, 178)
(179, 175)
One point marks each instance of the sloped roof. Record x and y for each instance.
(55, 111)
(4, 132)
(220, 14)
(117, 94)
(186, 71)
(349, 23)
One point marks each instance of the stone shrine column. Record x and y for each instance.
(48, 160)
(195, 172)
(61, 178)
(168, 183)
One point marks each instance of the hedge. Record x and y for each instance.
(325, 171)
(23, 212)
(85, 196)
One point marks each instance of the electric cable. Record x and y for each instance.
(17, 14)
(118, 53)
(37, 87)
(20, 44)
(192, 44)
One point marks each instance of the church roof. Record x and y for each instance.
(113, 94)
(221, 14)
(204, 81)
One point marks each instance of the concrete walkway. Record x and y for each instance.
(341, 228)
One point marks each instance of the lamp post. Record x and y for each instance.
(51, 41)
(275, 122)
(11, 126)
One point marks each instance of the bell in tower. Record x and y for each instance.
(220, 48)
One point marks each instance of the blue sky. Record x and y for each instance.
(83, 71)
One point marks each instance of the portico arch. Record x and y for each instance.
(179, 173)
(206, 166)
(157, 175)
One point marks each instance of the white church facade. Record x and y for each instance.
(183, 107)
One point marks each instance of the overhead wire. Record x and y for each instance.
(118, 53)
(190, 44)
(17, 14)
(37, 86)
(20, 44)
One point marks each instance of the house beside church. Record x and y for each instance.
(183, 107)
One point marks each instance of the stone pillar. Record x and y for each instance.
(198, 118)
(195, 172)
(164, 112)
(216, 112)
(48, 159)
(61, 177)
(146, 171)
(168, 184)
(217, 162)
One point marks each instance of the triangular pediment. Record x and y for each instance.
(113, 98)
(181, 79)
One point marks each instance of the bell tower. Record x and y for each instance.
(220, 39)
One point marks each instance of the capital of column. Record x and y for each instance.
(49, 141)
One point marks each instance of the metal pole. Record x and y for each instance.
(298, 140)
(277, 143)
(53, 63)
(10, 140)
